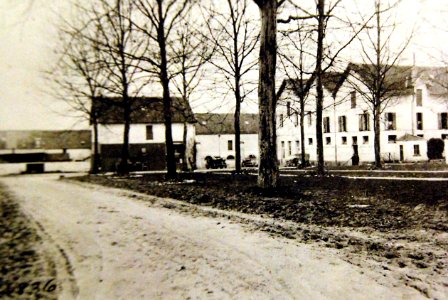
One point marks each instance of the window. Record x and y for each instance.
(443, 121)
(230, 145)
(310, 141)
(344, 140)
(296, 119)
(281, 120)
(416, 150)
(364, 124)
(419, 97)
(391, 121)
(310, 119)
(353, 99)
(288, 108)
(354, 140)
(283, 149)
(419, 121)
(297, 146)
(392, 139)
(328, 140)
(342, 121)
(365, 139)
(289, 148)
(326, 124)
(444, 136)
(149, 133)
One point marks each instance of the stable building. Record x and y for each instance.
(147, 133)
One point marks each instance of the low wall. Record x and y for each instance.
(70, 166)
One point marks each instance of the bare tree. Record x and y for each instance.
(267, 102)
(117, 43)
(161, 19)
(192, 52)
(77, 78)
(234, 35)
(327, 51)
(297, 63)
(379, 79)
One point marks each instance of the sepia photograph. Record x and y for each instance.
(233, 149)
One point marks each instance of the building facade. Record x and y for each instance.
(146, 134)
(215, 136)
(408, 119)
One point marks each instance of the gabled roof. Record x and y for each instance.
(331, 81)
(296, 85)
(144, 110)
(410, 138)
(436, 79)
(397, 81)
(209, 123)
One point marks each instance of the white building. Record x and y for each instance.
(147, 133)
(410, 118)
(215, 136)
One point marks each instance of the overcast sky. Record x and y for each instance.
(28, 32)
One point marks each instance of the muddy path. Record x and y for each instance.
(123, 245)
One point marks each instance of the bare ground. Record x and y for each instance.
(126, 245)
(399, 228)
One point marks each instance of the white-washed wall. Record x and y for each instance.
(217, 145)
(113, 134)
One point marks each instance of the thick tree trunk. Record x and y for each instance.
(319, 89)
(302, 132)
(268, 168)
(377, 139)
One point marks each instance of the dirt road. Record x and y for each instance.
(117, 245)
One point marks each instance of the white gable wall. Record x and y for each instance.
(113, 134)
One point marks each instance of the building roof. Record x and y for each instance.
(209, 123)
(410, 138)
(45, 139)
(397, 81)
(436, 79)
(144, 110)
(331, 81)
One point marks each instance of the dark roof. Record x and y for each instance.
(45, 139)
(144, 110)
(332, 81)
(296, 85)
(398, 80)
(224, 123)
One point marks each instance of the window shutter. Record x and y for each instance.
(439, 115)
(394, 121)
